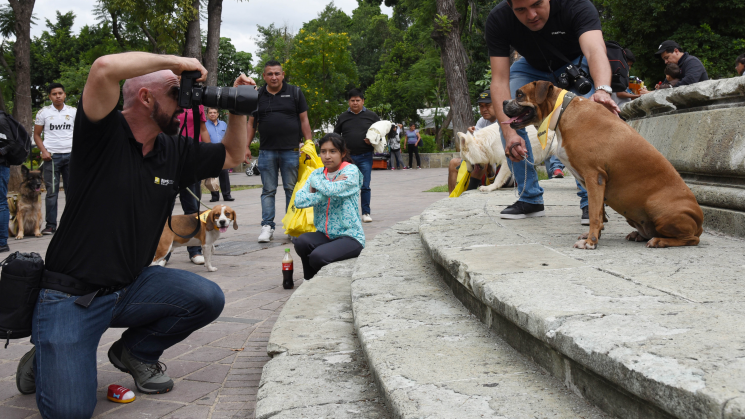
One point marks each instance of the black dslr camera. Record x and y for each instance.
(574, 77)
(241, 100)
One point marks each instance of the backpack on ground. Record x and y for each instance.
(20, 281)
(15, 143)
(619, 66)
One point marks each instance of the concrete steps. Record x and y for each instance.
(318, 370)
(433, 359)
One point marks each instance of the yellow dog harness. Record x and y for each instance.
(552, 120)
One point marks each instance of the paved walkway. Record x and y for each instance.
(217, 369)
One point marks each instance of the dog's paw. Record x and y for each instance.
(38, 234)
(657, 242)
(211, 268)
(19, 237)
(584, 244)
(485, 189)
(634, 236)
(583, 236)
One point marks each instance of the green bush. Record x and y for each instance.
(254, 149)
(428, 144)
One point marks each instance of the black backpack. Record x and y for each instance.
(19, 289)
(619, 66)
(15, 144)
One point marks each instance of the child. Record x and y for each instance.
(334, 193)
(672, 76)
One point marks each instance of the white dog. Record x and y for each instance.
(485, 147)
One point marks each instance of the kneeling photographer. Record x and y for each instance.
(560, 41)
(129, 166)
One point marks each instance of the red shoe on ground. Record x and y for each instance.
(558, 174)
(119, 394)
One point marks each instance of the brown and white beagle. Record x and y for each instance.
(212, 223)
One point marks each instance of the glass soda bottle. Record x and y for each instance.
(287, 271)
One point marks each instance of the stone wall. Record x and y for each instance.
(700, 129)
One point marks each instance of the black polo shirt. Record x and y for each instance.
(567, 20)
(353, 128)
(115, 213)
(277, 118)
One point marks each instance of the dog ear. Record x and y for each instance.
(542, 89)
(463, 140)
(24, 171)
(235, 219)
(210, 222)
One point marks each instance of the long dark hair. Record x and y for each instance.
(338, 143)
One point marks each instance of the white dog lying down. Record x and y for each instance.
(485, 147)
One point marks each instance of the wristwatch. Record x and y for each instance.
(605, 88)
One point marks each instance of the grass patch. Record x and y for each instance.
(542, 175)
(442, 188)
(234, 188)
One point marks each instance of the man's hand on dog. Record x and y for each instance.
(602, 97)
(514, 148)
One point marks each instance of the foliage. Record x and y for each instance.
(254, 147)
(441, 188)
(230, 63)
(711, 31)
(274, 43)
(321, 65)
(428, 144)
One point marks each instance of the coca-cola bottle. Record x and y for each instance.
(287, 271)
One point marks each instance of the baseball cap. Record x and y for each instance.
(484, 97)
(667, 44)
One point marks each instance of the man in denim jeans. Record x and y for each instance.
(281, 120)
(57, 121)
(352, 125)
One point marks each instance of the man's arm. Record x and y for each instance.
(250, 134)
(305, 126)
(45, 155)
(593, 47)
(236, 134)
(101, 92)
(500, 91)
(204, 135)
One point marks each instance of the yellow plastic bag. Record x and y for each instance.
(464, 177)
(300, 220)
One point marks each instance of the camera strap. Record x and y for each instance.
(554, 51)
(196, 121)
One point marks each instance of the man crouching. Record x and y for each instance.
(129, 166)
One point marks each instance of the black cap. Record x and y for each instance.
(484, 97)
(665, 45)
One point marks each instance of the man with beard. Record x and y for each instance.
(127, 167)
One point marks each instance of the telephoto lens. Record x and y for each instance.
(241, 100)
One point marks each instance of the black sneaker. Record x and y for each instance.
(585, 221)
(522, 209)
(149, 378)
(48, 231)
(25, 377)
(4, 249)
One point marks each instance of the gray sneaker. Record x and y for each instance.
(25, 377)
(149, 378)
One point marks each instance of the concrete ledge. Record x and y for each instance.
(642, 333)
(429, 356)
(318, 368)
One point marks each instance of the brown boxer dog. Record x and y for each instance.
(617, 166)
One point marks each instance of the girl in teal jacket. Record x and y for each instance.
(334, 194)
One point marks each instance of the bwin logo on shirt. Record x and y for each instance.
(53, 127)
(165, 182)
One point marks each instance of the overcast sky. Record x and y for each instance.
(239, 18)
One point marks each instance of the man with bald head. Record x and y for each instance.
(128, 167)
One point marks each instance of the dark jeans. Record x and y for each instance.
(414, 149)
(191, 206)
(364, 162)
(225, 182)
(160, 309)
(53, 170)
(316, 251)
(396, 160)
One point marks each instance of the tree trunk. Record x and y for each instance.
(214, 18)
(193, 45)
(454, 61)
(22, 10)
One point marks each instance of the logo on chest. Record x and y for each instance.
(164, 182)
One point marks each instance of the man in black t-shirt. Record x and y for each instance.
(571, 27)
(352, 125)
(282, 120)
(128, 167)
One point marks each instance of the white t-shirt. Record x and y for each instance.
(58, 126)
(483, 123)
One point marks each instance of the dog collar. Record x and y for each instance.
(552, 120)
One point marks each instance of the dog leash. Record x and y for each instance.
(200, 201)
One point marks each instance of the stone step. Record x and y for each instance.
(430, 357)
(318, 369)
(641, 333)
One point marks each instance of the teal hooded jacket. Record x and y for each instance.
(336, 211)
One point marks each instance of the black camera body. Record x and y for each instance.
(241, 100)
(575, 77)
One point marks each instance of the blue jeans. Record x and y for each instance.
(522, 73)
(552, 163)
(4, 211)
(53, 170)
(160, 309)
(270, 163)
(364, 162)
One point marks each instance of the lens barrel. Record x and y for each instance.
(241, 100)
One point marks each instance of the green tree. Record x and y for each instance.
(322, 66)
(231, 63)
(712, 31)
(274, 43)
